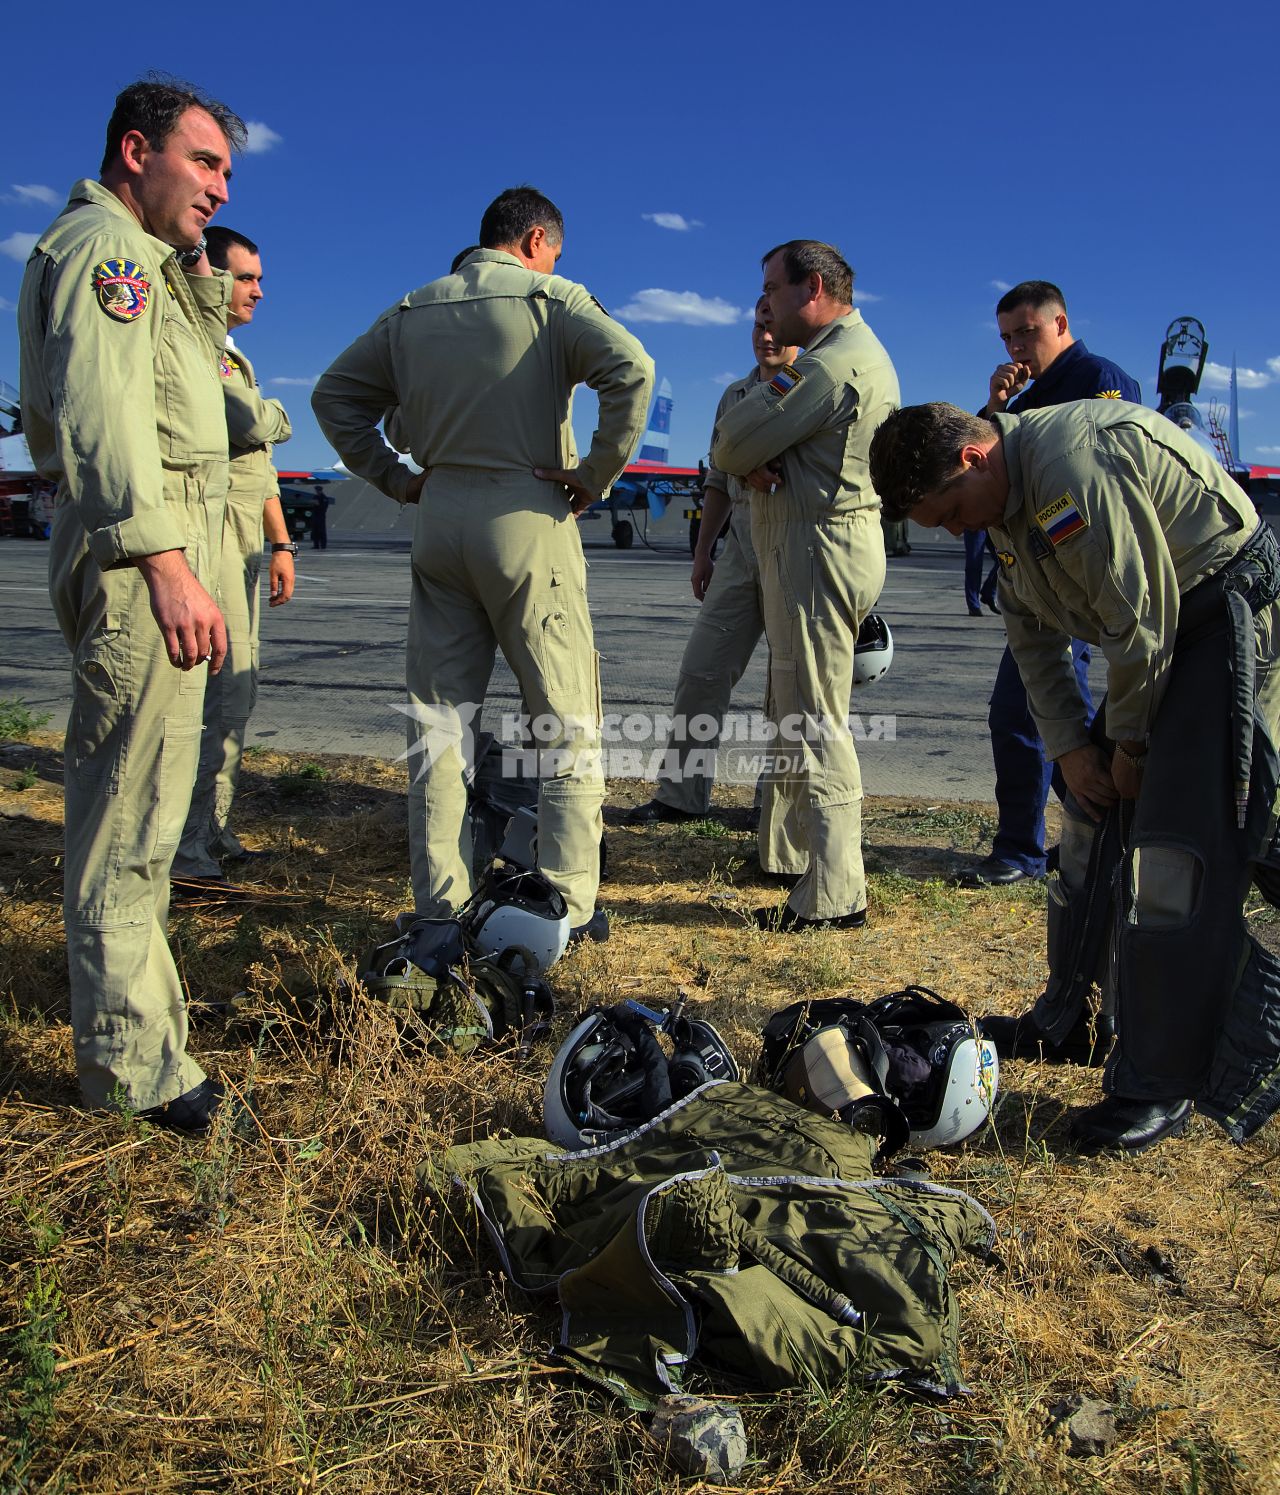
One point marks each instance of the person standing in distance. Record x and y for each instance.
(480, 366)
(122, 321)
(254, 425)
(800, 440)
(1046, 366)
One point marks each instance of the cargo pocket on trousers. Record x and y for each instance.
(174, 782)
(99, 726)
(557, 649)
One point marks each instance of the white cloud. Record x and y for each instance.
(261, 137)
(19, 246)
(1218, 376)
(676, 221)
(865, 298)
(681, 306)
(45, 195)
(724, 379)
(1000, 285)
(1274, 365)
(7, 305)
(1268, 451)
(302, 383)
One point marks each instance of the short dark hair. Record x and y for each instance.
(917, 448)
(155, 104)
(514, 213)
(804, 257)
(460, 256)
(218, 240)
(1037, 294)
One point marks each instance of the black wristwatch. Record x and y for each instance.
(190, 258)
(278, 545)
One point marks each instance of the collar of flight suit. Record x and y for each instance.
(493, 257)
(1010, 429)
(93, 192)
(851, 318)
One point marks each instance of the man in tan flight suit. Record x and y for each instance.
(254, 425)
(480, 365)
(724, 637)
(1113, 526)
(800, 440)
(122, 407)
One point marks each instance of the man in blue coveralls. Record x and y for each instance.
(1032, 318)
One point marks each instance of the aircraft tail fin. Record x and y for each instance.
(656, 445)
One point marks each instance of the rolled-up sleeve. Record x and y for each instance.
(251, 420)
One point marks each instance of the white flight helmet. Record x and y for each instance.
(954, 1097)
(873, 652)
(611, 1075)
(516, 913)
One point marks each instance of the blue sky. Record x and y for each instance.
(1125, 151)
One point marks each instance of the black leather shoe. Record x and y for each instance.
(992, 872)
(656, 813)
(596, 929)
(783, 919)
(1119, 1125)
(991, 605)
(975, 612)
(193, 1111)
(1021, 1038)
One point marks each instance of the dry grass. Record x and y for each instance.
(192, 1316)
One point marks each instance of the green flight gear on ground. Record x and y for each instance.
(1120, 530)
(122, 409)
(481, 364)
(254, 425)
(724, 636)
(822, 566)
(735, 1232)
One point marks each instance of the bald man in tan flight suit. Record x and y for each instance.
(480, 365)
(800, 440)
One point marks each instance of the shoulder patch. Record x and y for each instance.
(227, 365)
(1006, 558)
(1061, 519)
(1108, 394)
(124, 292)
(785, 380)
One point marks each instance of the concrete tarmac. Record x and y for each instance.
(333, 660)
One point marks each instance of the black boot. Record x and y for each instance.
(1116, 1124)
(1021, 1038)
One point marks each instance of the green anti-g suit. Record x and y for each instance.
(253, 426)
(122, 409)
(1120, 530)
(481, 365)
(821, 556)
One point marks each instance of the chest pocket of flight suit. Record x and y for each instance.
(191, 414)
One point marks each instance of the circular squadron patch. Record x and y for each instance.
(123, 290)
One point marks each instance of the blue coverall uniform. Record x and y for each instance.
(1023, 775)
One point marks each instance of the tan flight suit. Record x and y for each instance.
(253, 426)
(724, 636)
(122, 408)
(481, 364)
(822, 566)
(1114, 516)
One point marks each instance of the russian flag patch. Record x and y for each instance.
(1061, 519)
(785, 380)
